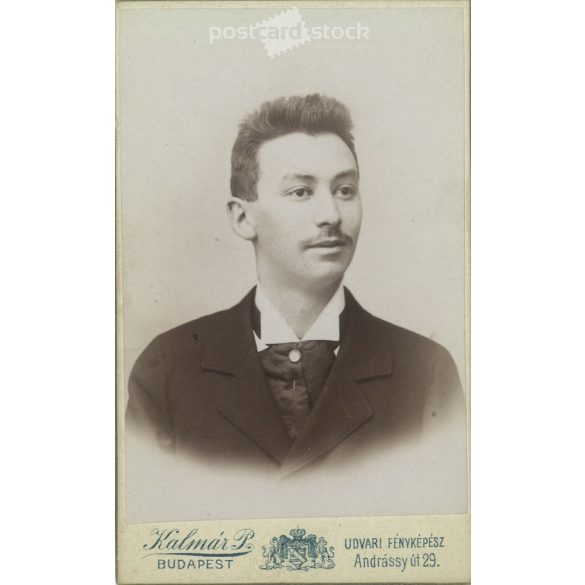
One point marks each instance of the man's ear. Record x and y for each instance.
(240, 218)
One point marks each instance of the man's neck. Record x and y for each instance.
(298, 307)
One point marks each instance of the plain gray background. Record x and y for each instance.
(180, 101)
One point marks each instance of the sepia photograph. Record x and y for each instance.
(292, 233)
(329, 351)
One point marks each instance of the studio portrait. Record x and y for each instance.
(293, 273)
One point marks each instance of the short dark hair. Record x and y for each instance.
(311, 114)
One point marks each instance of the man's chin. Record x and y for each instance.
(325, 276)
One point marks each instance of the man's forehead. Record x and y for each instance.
(320, 156)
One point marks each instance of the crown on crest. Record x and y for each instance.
(298, 533)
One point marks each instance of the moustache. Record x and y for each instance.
(329, 238)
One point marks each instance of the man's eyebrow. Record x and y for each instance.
(297, 177)
(349, 174)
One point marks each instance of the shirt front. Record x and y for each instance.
(296, 368)
(274, 328)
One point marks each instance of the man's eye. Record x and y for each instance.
(300, 193)
(345, 191)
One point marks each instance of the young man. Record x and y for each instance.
(298, 375)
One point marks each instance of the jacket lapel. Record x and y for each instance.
(230, 352)
(342, 407)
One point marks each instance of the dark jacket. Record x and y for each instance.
(200, 389)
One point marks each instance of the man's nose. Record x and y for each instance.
(326, 211)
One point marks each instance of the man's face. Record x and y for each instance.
(308, 212)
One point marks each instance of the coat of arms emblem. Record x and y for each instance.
(298, 552)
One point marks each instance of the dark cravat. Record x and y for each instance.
(296, 373)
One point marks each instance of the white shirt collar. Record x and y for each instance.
(276, 330)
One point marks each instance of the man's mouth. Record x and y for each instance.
(330, 243)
